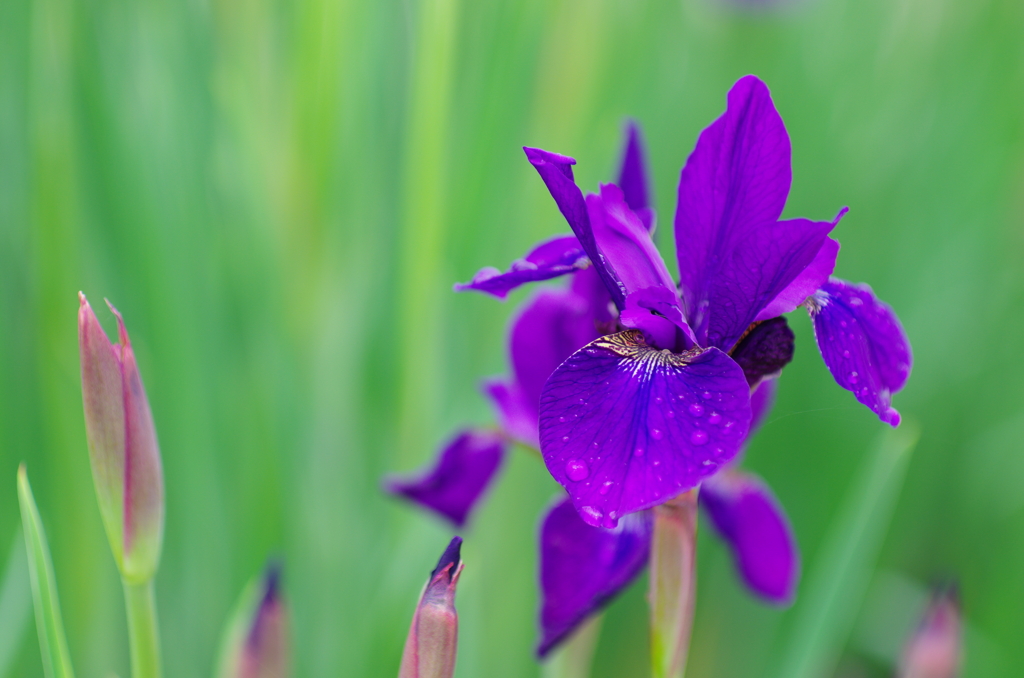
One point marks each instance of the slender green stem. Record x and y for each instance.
(673, 584)
(574, 658)
(143, 632)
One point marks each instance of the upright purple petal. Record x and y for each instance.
(624, 426)
(807, 283)
(458, 478)
(735, 181)
(588, 284)
(765, 350)
(862, 343)
(550, 259)
(582, 568)
(556, 171)
(633, 176)
(759, 266)
(625, 242)
(749, 518)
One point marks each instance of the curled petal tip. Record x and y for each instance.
(450, 561)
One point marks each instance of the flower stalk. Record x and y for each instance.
(143, 631)
(673, 584)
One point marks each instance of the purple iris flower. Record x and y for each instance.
(638, 416)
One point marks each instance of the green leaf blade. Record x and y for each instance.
(52, 641)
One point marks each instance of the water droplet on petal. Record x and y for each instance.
(656, 433)
(697, 410)
(576, 470)
(728, 428)
(592, 513)
(639, 451)
(670, 414)
(842, 323)
(706, 395)
(846, 354)
(714, 418)
(611, 521)
(699, 437)
(606, 487)
(565, 439)
(852, 376)
(561, 420)
(657, 400)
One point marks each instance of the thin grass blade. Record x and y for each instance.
(54, 645)
(842, 571)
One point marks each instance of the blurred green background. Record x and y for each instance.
(278, 197)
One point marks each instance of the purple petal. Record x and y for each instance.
(735, 181)
(766, 349)
(553, 326)
(556, 171)
(762, 398)
(457, 480)
(655, 311)
(760, 266)
(633, 176)
(747, 515)
(863, 344)
(624, 426)
(805, 284)
(517, 414)
(550, 259)
(588, 284)
(625, 242)
(582, 567)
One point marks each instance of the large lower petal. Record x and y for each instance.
(458, 478)
(550, 259)
(736, 179)
(633, 176)
(624, 426)
(750, 519)
(583, 567)
(863, 344)
(556, 171)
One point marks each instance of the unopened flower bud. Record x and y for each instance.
(256, 642)
(935, 649)
(433, 636)
(123, 450)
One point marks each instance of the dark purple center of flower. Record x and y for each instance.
(765, 349)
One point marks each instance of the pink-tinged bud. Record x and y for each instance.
(434, 633)
(256, 644)
(936, 648)
(123, 450)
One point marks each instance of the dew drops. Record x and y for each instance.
(639, 452)
(565, 439)
(846, 354)
(657, 434)
(842, 323)
(852, 376)
(714, 418)
(728, 428)
(697, 410)
(576, 470)
(606, 487)
(561, 420)
(657, 400)
(706, 395)
(592, 513)
(670, 414)
(611, 521)
(699, 437)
